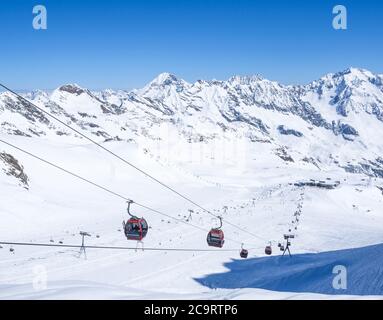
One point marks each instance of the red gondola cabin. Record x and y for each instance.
(268, 250)
(244, 253)
(135, 228)
(215, 238)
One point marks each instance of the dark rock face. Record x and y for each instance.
(72, 89)
(308, 113)
(312, 161)
(14, 168)
(372, 168)
(232, 115)
(318, 184)
(283, 130)
(25, 109)
(282, 153)
(345, 130)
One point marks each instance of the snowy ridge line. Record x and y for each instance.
(126, 161)
(110, 191)
(114, 247)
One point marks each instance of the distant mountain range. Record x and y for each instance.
(335, 122)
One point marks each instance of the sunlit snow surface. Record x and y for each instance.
(219, 143)
(57, 207)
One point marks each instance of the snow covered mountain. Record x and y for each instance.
(331, 122)
(255, 147)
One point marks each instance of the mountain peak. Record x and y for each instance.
(245, 80)
(353, 72)
(36, 94)
(164, 79)
(164, 82)
(350, 76)
(72, 88)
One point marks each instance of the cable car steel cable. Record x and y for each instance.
(112, 247)
(124, 160)
(106, 189)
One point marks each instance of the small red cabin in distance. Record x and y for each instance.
(244, 253)
(268, 250)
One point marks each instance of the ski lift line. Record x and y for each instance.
(123, 160)
(112, 247)
(106, 189)
(95, 184)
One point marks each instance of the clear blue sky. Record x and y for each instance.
(124, 44)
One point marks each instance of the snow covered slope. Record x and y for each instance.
(311, 273)
(248, 144)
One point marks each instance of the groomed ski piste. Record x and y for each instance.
(257, 193)
(57, 208)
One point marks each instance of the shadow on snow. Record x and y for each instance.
(306, 272)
